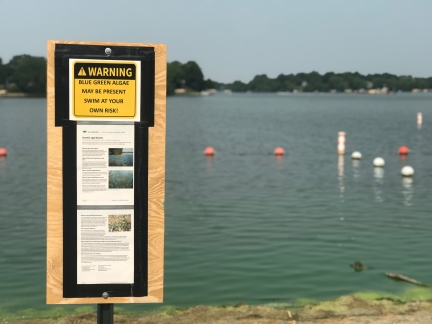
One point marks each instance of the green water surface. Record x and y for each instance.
(245, 226)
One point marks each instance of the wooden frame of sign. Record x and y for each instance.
(156, 188)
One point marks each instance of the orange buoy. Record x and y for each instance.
(279, 151)
(403, 150)
(209, 151)
(3, 151)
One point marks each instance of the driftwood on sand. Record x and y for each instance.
(405, 278)
(358, 266)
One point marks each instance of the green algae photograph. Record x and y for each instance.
(120, 157)
(119, 223)
(120, 179)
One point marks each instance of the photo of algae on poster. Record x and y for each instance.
(120, 179)
(120, 157)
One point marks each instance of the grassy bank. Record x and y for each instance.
(416, 300)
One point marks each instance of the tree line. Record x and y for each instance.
(339, 82)
(27, 74)
(188, 76)
(24, 73)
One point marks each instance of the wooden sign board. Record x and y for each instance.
(94, 98)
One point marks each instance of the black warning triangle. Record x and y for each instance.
(82, 72)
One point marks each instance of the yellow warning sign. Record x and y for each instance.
(104, 89)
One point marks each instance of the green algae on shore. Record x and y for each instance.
(362, 303)
(410, 295)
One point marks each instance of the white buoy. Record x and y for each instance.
(356, 155)
(341, 143)
(407, 171)
(419, 119)
(378, 162)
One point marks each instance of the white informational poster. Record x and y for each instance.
(105, 246)
(105, 199)
(105, 165)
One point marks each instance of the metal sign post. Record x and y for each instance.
(105, 313)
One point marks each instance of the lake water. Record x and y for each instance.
(245, 226)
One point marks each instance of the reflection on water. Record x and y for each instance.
(209, 164)
(279, 158)
(279, 162)
(356, 169)
(341, 163)
(408, 190)
(379, 181)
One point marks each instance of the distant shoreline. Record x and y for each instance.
(288, 93)
(13, 95)
(22, 95)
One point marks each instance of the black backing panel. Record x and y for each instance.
(146, 55)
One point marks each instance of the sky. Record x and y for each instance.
(238, 39)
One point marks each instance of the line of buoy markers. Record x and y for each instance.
(407, 171)
(378, 162)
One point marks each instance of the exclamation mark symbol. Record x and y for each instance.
(82, 72)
